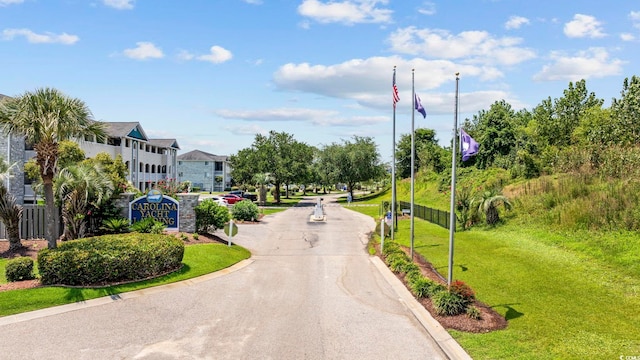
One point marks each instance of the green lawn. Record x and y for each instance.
(560, 303)
(198, 260)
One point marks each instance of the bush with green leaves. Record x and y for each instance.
(413, 275)
(474, 313)
(117, 225)
(391, 258)
(110, 258)
(397, 264)
(421, 286)
(390, 247)
(210, 215)
(20, 268)
(245, 210)
(448, 304)
(148, 225)
(409, 267)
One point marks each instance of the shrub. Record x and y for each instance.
(413, 275)
(463, 290)
(390, 247)
(391, 258)
(448, 303)
(210, 214)
(474, 313)
(397, 264)
(245, 210)
(421, 287)
(410, 266)
(20, 268)
(148, 225)
(115, 225)
(110, 258)
(195, 236)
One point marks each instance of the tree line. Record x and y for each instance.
(279, 159)
(573, 132)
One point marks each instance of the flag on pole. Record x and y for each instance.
(468, 145)
(396, 97)
(419, 107)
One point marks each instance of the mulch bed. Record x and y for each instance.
(490, 320)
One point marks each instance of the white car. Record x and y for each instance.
(218, 199)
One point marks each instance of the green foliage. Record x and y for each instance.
(245, 210)
(409, 267)
(390, 247)
(474, 313)
(110, 258)
(20, 268)
(195, 236)
(116, 225)
(397, 263)
(422, 287)
(210, 214)
(148, 225)
(448, 303)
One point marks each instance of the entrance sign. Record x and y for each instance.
(160, 207)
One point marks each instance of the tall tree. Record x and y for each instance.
(626, 111)
(45, 117)
(427, 152)
(358, 161)
(496, 130)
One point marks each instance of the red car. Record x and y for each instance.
(232, 198)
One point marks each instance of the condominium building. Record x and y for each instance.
(205, 171)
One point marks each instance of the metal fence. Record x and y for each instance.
(33, 223)
(434, 216)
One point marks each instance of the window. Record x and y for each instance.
(206, 175)
(206, 163)
(179, 162)
(126, 143)
(218, 166)
(180, 174)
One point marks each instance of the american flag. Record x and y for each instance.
(396, 97)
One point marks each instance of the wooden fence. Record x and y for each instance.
(33, 223)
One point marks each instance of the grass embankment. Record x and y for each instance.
(198, 260)
(566, 294)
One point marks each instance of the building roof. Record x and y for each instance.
(125, 129)
(198, 155)
(165, 143)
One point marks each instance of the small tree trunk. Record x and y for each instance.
(50, 208)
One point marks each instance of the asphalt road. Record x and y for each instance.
(310, 292)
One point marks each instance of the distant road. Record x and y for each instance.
(311, 292)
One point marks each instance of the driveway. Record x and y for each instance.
(310, 291)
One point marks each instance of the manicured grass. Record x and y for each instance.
(198, 260)
(560, 303)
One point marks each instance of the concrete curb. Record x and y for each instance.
(12, 319)
(447, 344)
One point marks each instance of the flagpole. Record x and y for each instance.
(452, 214)
(393, 166)
(413, 151)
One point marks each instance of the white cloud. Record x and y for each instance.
(253, 2)
(217, 55)
(515, 22)
(185, 55)
(10, 2)
(427, 8)
(120, 4)
(627, 37)
(46, 38)
(635, 17)
(592, 63)
(246, 129)
(348, 12)
(368, 81)
(476, 46)
(583, 26)
(144, 50)
(312, 116)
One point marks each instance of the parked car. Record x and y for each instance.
(232, 198)
(250, 196)
(236, 192)
(220, 200)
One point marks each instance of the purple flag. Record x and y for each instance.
(468, 145)
(419, 107)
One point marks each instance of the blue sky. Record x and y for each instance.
(213, 73)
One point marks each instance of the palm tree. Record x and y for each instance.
(80, 188)
(489, 203)
(262, 179)
(45, 117)
(10, 210)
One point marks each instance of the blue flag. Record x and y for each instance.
(468, 145)
(419, 107)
